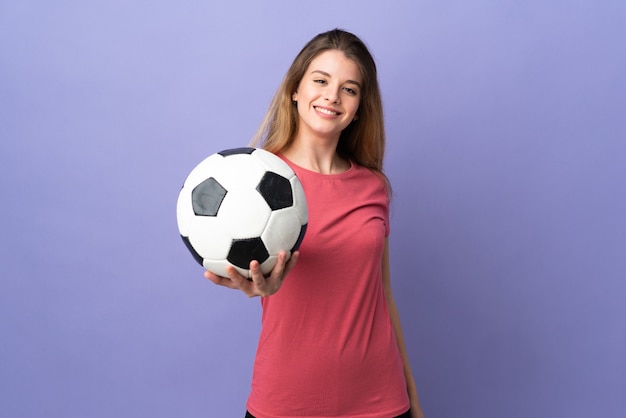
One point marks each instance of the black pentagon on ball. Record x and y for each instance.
(207, 197)
(242, 251)
(276, 190)
(296, 246)
(192, 250)
(235, 151)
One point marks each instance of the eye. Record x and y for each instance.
(350, 91)
(319, 81)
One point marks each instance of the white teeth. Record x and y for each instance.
(326, 111)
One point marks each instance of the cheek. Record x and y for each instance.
(354, 108)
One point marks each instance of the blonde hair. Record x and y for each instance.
(363, 141)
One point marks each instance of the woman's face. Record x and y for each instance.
(328, 95)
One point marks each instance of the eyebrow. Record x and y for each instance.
(328, 75)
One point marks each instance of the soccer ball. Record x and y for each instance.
(240, 205)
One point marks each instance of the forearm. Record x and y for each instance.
(416, 410)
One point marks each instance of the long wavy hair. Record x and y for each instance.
(363, 141)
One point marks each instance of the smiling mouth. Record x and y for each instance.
(326, 111)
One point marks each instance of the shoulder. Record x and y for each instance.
(374, 178)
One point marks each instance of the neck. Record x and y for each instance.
(319, 157)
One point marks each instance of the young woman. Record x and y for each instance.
(331, 343)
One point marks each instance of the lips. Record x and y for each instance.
(326, 111)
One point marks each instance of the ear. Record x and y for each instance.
(294, 96)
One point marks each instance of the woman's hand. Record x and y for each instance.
(260, 285)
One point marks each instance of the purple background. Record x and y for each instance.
(507, 151)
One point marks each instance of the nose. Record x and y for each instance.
(331, 94)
